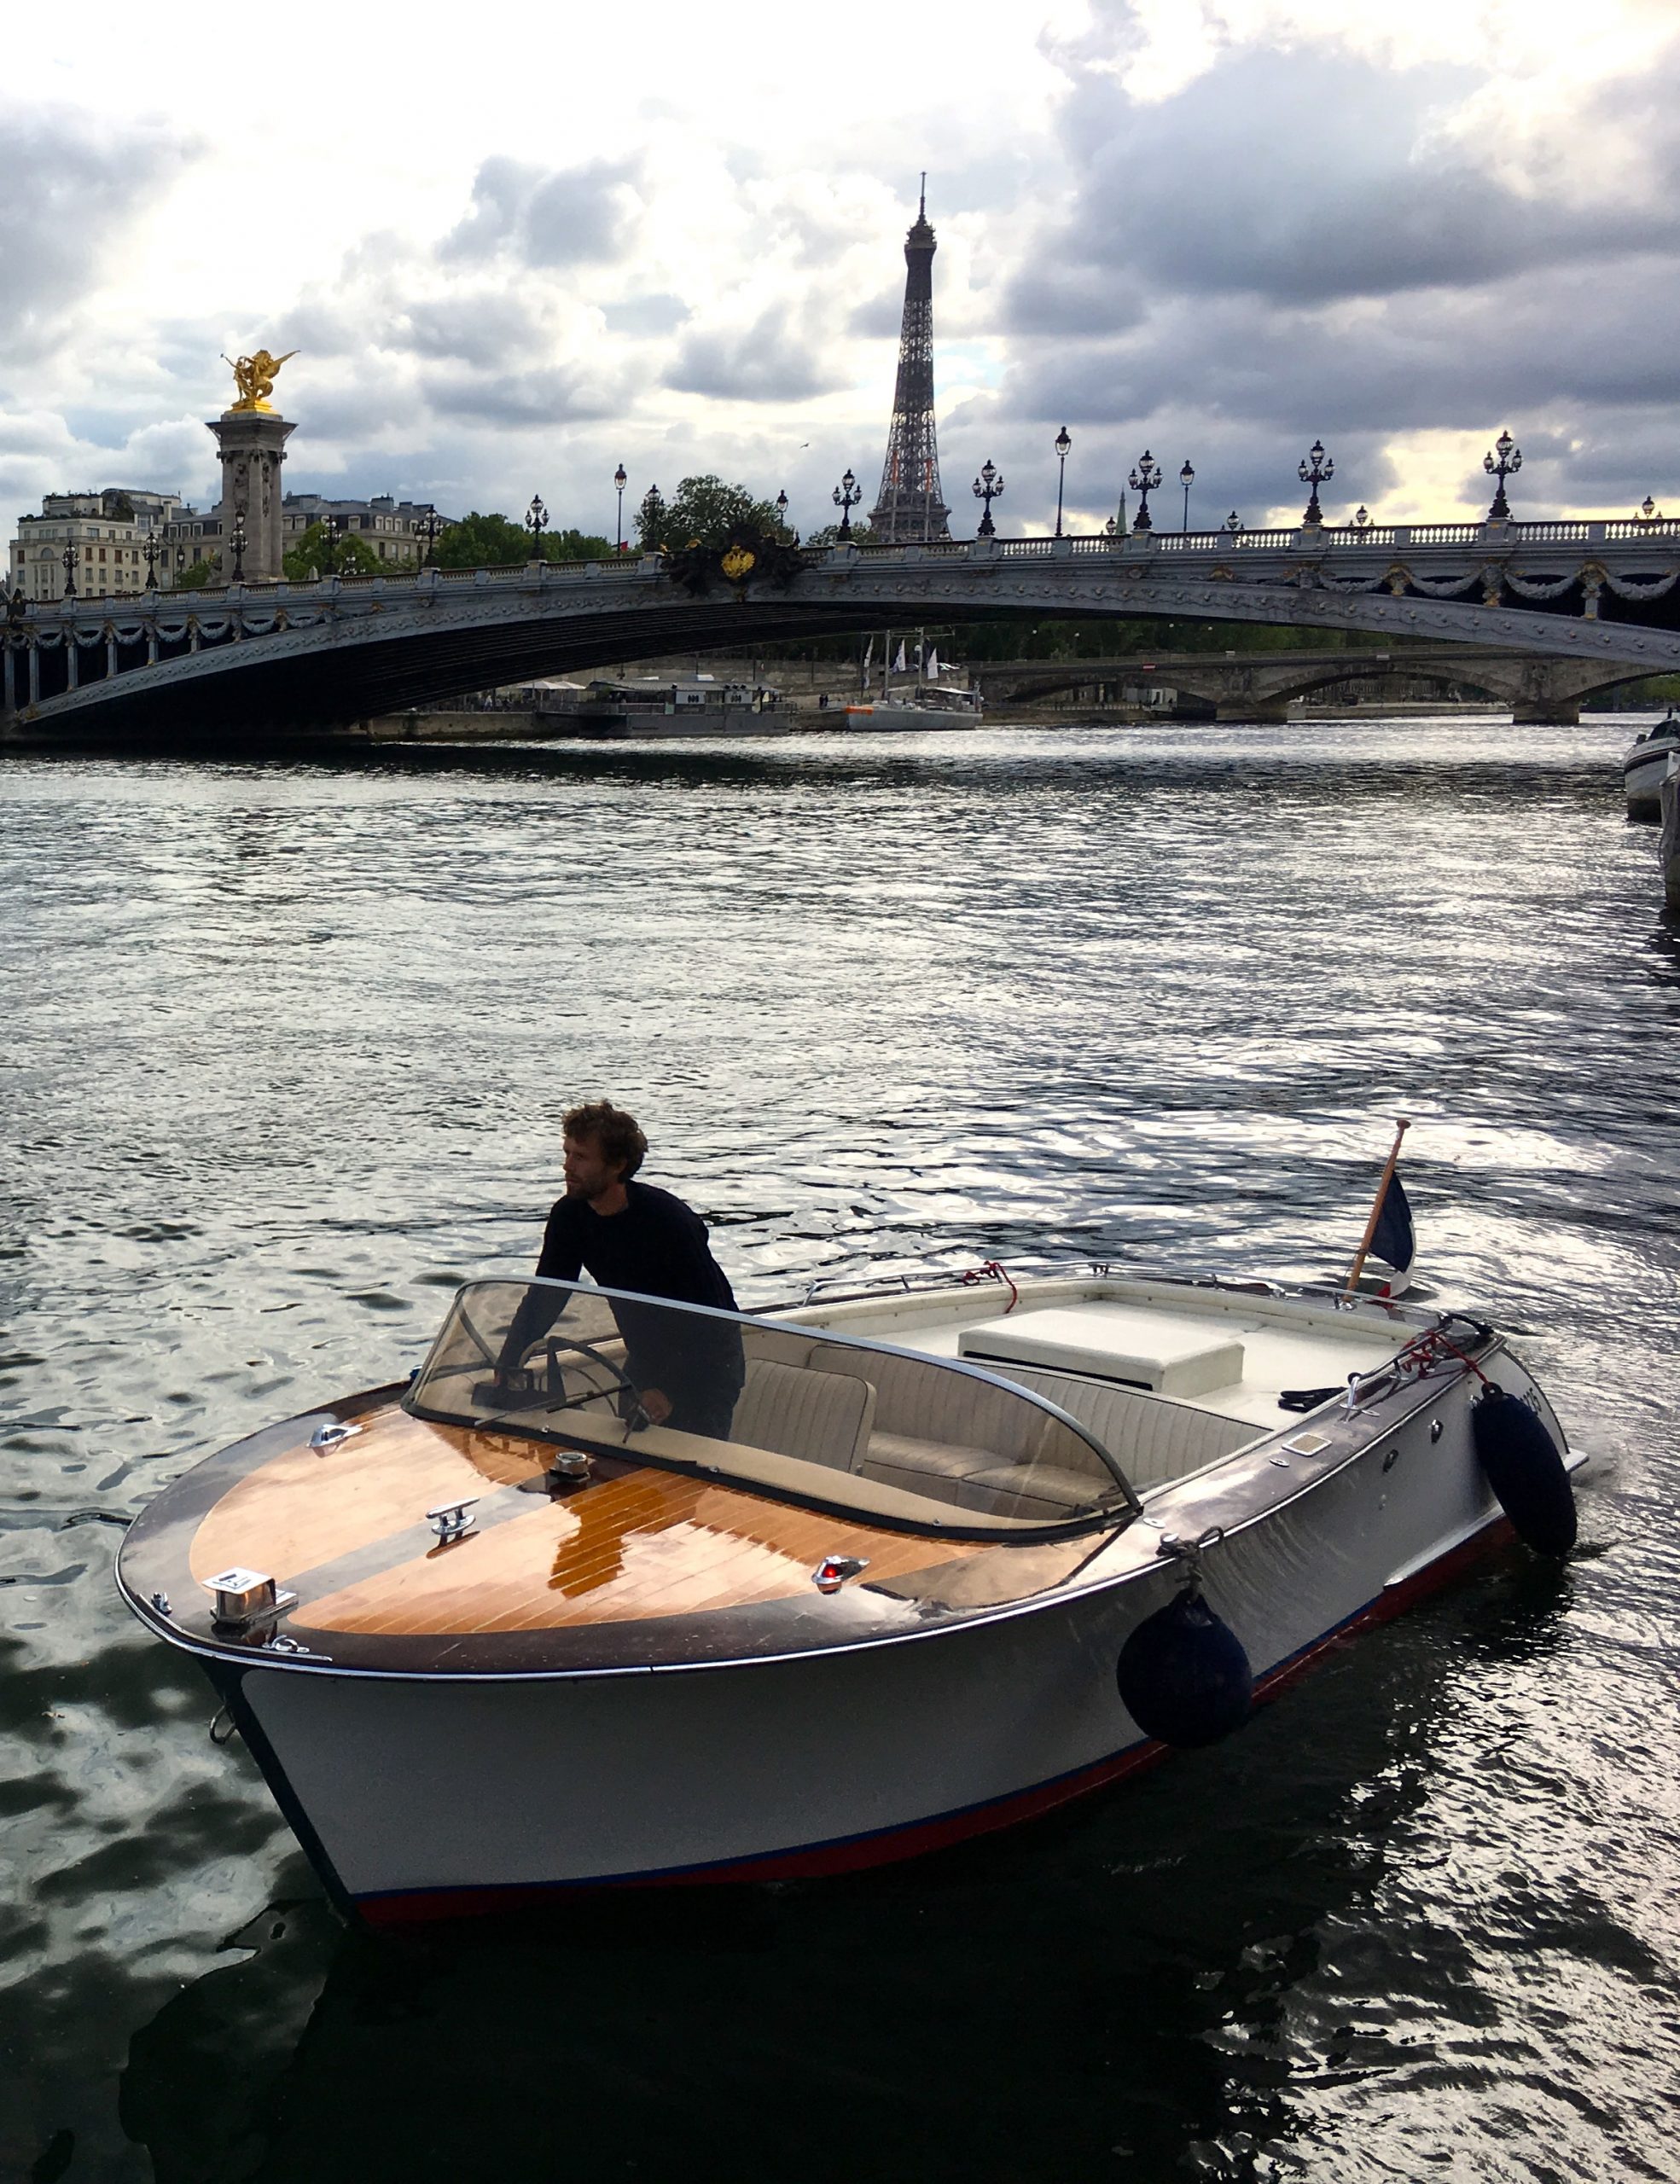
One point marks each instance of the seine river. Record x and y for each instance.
(285, 1053)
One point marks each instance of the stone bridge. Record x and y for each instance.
(229, 667)
(1259, 686)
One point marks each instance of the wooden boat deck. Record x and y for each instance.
(637, 1542)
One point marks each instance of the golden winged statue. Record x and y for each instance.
(254, 377)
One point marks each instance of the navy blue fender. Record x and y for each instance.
(1184, 1676)
(1524, 1466)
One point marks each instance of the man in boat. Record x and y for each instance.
(688, 1371)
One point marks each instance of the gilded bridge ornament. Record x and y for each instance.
(737, 562)
(254, 376)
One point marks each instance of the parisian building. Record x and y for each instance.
(109, 531)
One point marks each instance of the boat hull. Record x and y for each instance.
(907, 720)
(1643, 770)
(425, 1796)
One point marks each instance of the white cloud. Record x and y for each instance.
(673, 239)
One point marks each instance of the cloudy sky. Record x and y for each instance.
(521, 245)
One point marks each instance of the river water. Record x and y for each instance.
(286, 1049)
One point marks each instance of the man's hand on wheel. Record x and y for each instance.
(656, 1404)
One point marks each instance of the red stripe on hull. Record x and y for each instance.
(857, 1853)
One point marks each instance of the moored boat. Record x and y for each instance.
(1645, 764)
(919, 711)
(962, 1557)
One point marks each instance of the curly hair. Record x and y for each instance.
(618, 1135)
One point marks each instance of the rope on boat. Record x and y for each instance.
(992, 1270)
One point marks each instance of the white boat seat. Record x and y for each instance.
(823, 1417)
(1153, 1440)
(1110, 1342)
(1032, 1490)
(917, 1401)
(779, 1345)
(938, 1469)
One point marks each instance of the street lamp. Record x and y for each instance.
(987, 486)
(238, 538)
(847, 494)
(68, 558)
(1648, 511)
(1111, 526)
(431, 529)
(1144, 480)
(620, 480)
(1062, 444)
(782, 509)
(333, 528)
(1234, 524)
(1510, 462)
(535, 522)
(1362, 517)
(151, 562)
(1187, 478)
(1317, 470)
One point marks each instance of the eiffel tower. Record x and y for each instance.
(909, 507)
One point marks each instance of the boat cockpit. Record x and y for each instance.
(897, 1439)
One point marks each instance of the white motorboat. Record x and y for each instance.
(967, 1551)
(918, 711)
(1645, 764)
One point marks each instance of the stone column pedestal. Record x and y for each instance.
(252, 444)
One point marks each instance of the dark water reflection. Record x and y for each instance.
(286, 1055)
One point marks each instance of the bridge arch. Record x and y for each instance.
(280, 656)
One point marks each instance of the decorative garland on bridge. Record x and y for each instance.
(1539, 587)
(1635, 587)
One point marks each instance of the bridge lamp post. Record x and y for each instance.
(535, 522)
(1143, 481)
(1361, 518)
(782, 509)
(847, 494)
(237, 538)
(333, 528)
(151, 562)
(987, 486)
(1648, 511)
(620, 480)
(1317, 470)
(68, 558)
(1234, 524)
(1187, 478)
(431, 529)
(1510, 462)
(1062, 444)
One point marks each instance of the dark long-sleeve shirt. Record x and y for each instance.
(657, 1246)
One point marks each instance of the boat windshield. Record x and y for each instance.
(888, 1436)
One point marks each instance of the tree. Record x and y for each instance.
(704, 512)
(311, 557)
(492, 541)
(199, 574)
(859, 535)
(483, 542)
(576, 546)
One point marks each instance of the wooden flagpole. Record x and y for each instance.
(1403, 1124)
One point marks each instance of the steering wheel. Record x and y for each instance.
(634, 1416)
